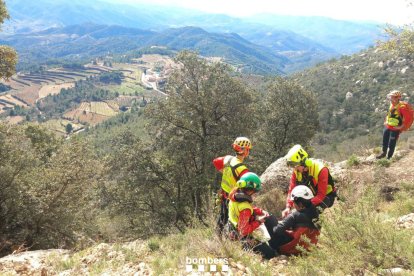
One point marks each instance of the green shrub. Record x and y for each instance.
(153, 245)
(353, 161)
(272, 201)
(403, 203)
(383, 163)
(356, 241)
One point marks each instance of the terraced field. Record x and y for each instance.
(28, 94)
(29, 88)
(113, 104)
(59, 126)
(153, 60)
(92, 113)
(102, 108)
(127, 100)
(131, 83)
(10, 100)
(14, 120)
(53, 89)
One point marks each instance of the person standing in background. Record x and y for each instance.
(394, 124)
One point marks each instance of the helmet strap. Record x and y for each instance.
(303, 162)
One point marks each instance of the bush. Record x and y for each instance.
(4, 87)
(273, 201)
(403, 203)
(383, 163)
(357, 232)
(46, 189)
(353, 161)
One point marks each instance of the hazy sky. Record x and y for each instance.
(386, 11)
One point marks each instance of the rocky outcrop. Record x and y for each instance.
(277, 175)
(114, 258)
(406, 222)
(30, 262)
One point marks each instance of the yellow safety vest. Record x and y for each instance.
(233, 166)
(393, 116)
(314, 168)
(235, 208)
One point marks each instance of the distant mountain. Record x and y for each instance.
(343, 36)
(325, 37)
(231, 47)
(97, 31)
(73, 12)
(301, 51)
(89, 40)
(75, 42)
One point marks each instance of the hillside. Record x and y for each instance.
(232, 47)
(352, 90)
(366, 185)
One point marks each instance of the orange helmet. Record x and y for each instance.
(241, 143)
(394, 93)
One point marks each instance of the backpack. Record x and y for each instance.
(408, 120)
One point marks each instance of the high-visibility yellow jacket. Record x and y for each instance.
(317, 178)
(233, 167)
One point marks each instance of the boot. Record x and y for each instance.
(382, 155)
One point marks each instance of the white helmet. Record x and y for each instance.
(394, 93)
(301, 191)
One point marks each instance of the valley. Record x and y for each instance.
(141, 81)
(113, 116)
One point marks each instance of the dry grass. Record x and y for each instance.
(91, 113)
(9, 99)
(113, 104)
(29, 94)
(170, 254)
(53, 89)
(102, 108)
(364, 233)
(13, 84)
(14, 120)
(59, 126)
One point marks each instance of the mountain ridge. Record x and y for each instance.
(337, 35)
(96, 39)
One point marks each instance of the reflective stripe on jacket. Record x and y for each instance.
(394, 117)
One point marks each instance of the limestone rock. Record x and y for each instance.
(406, 221)
(277, 175)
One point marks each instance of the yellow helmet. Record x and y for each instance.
(296, 156)
(241, 143)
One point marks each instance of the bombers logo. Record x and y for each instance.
(206, 264)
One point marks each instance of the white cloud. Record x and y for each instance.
(387, 11)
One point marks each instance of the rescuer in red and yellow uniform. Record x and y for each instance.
(245, 219)
(312, 173)
(394, 123)
(232, 168)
